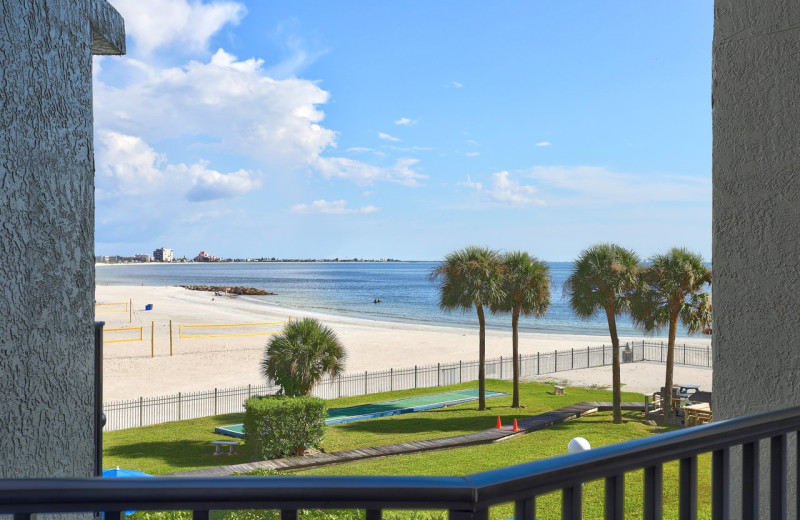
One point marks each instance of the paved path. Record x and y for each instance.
(531, 424)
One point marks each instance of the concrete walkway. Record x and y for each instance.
(528, 425)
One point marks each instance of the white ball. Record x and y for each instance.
(578, 444)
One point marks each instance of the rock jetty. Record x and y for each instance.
(248, 291)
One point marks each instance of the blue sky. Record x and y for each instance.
(316, 129)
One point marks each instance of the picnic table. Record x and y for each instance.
(695, 414)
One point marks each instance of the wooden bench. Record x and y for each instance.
(558, 390)
(219, 444)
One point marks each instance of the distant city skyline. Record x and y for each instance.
(372, 130)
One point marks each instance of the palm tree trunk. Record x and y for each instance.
(515, 354)
(616, 380)
(673, 327)
(481, 359)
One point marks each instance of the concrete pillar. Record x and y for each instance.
(756, 215)
(47, 232)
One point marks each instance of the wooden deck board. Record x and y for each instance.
(526, 425)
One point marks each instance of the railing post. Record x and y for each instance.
(501, 367)
(537, 363)
(525, 509)
(339, 387)
(662, 351)
(248, 391)
(572, 360)
(604, 354)
(653, 491)
(391, 379)
(415, 376)
(684, 353)
(588, 358)
(708, 356)
(460, 372)
(215, 401)
(141, 413)
(572, 502)
(373, 514)
(750, 480)
(179, 406)
(687, 501)
(777, 478)
(555, 361)
(365, 383)
(721, 484)
(615, 497)
(480, 514)
(438, 374)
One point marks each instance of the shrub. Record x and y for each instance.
(279, 426)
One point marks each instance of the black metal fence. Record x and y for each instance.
(470, 497)
(155, 410)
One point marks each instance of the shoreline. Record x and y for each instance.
(205, 363)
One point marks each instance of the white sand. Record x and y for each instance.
(207, 363)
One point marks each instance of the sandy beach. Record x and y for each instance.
(222, 362)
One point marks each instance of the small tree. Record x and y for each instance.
(471, 277)
(526, 291)
(297, 358)
(603, 278)
(673, 289)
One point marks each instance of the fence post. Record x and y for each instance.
(501, 367)
(604, 354)
(141, 413)
(415, 376)
(179, 406)
(662, 351)
(438, 374)
(215, 401)
(708, 356)
(519, 364)
(537, 363)
(365, 382)
(555, 364)
(391, 379)
(460, 377)
(588, 358)
(684, 353)
(339, 387)
(152, 339)
(248, 391)
(572, 360)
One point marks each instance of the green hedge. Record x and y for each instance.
(280, 426)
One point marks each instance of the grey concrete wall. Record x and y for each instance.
(756, 215)
(47, 232)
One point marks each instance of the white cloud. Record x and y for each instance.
(362, 173)
(470, 184)
(543, 143)
(404, 121)
(473, 154)
(506, 191)
(387, 137)
(456, 84)
(128, 167)
(157, 23)
(336, 207)
(599, 186)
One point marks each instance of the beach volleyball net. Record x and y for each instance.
(230, 330)
(111, 307)
(122, 335)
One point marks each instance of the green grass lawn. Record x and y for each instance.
(186, 445)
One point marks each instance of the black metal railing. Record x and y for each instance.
(466, 498)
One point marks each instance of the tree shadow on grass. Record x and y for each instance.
(178, 454)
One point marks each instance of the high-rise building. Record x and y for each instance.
(162, 255)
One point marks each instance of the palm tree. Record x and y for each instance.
(526, 284)
(603, 278)
(471, 277)
(673, 288)
(298, 357)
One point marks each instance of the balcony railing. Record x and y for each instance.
(467, 497)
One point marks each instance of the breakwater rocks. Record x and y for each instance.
(248, 291)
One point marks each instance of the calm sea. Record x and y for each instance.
(404, 289)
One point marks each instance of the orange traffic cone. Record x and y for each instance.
(516, 427)
(499, 423)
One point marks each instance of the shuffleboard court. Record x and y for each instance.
(385, 408)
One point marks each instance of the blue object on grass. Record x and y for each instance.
(124, 473)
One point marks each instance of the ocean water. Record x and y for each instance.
(405, 291)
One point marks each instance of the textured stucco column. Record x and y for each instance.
(47, 232)
(756, 177)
